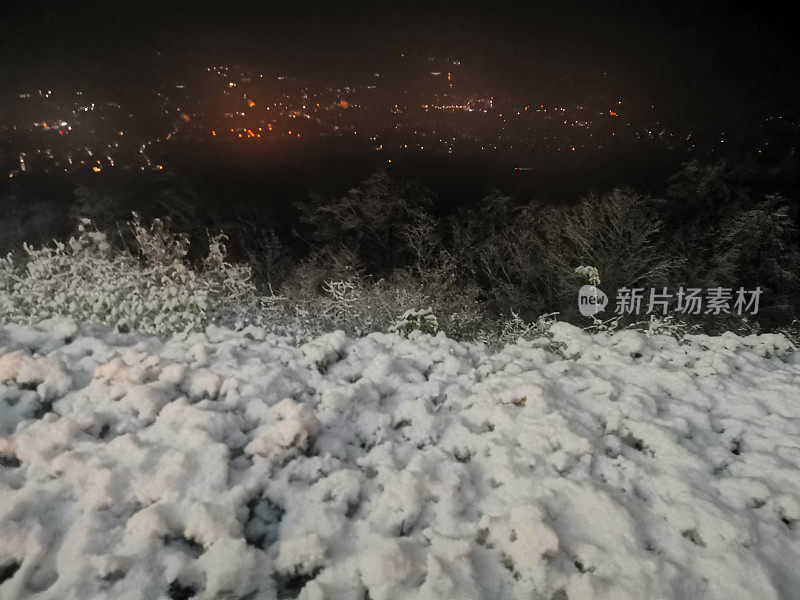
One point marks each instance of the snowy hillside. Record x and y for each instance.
(237, 465)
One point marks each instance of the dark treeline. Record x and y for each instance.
(498, 239)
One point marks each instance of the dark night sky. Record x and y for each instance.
(695, 58)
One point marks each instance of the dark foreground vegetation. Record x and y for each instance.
(711, 224)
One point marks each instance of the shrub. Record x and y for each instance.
(153, 288)
(509, 331)
(416, 320)
(665, 325)
(590, 274)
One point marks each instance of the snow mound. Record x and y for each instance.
(237, 465)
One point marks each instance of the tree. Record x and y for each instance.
(370, 219)
(759, 247)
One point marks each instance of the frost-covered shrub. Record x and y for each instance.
(509, 331)
(588, 273)
(328, 293)
(153, 288)
(416, 320)
(665, 325)
(342, 297)
(610, 325)
(310, 304)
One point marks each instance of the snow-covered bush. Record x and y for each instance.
(328, 292)
(666, 325)
(509, 331)
(416, 320)
(590, 274)
(342, 298)
(603, 326)
(153, 288)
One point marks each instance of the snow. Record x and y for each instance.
(241, 465)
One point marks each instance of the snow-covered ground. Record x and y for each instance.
(237, 465)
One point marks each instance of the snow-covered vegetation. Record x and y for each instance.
(357, 261)
(149, 284)
(416, 320)
(571, 465)
(152, 288)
